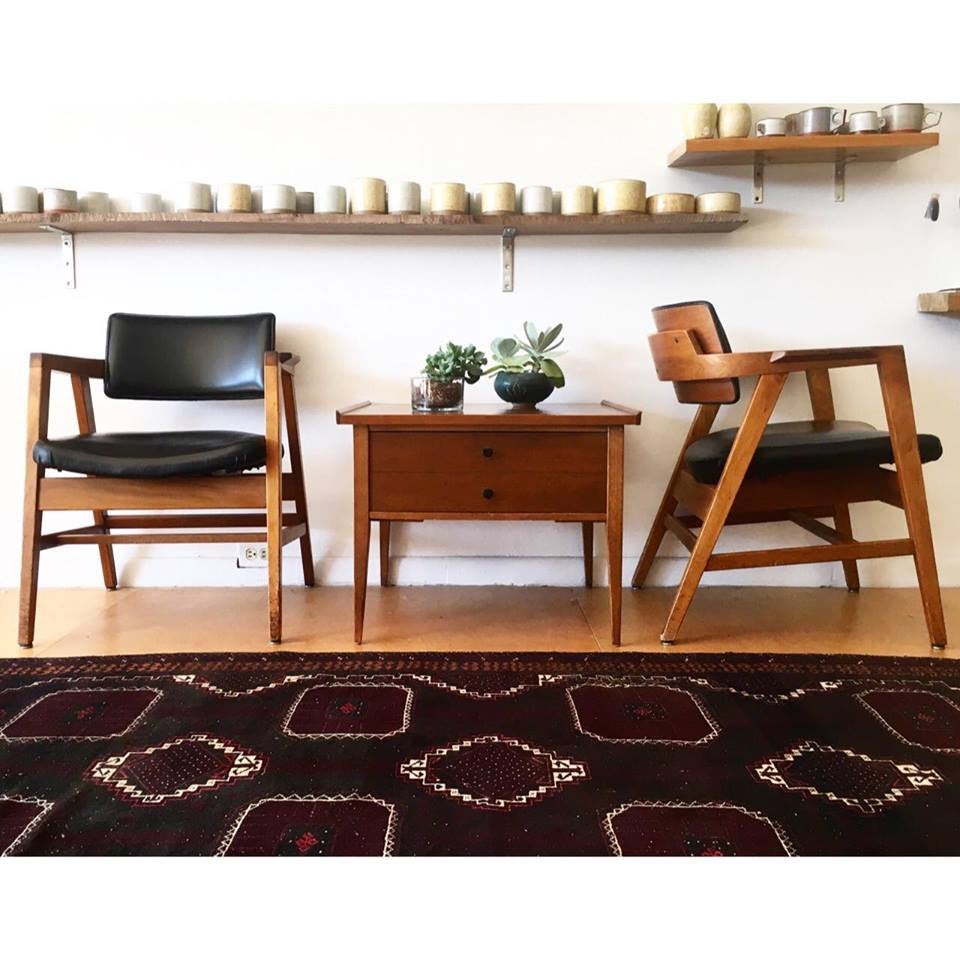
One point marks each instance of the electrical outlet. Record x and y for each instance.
(252, 555)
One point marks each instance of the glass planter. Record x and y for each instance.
(436, 396)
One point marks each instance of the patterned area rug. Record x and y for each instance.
(600, 754)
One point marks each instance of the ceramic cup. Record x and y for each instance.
(145, 203)
(278, 198)
(58, 200)
(256, 199)
(576, 200)
(368, 195)
(536, 199)
(866, 121)
(304, 201)
(330, 198)
(498, 198)
(403, 196)
(700, 121)
(909, 118)
(719, 202)
(734, 120)
(772, 127)
(95, 202)
(621, 196)
(192, 197)
(234, 198)
(17, 199)
(672, 203)
(448, 198)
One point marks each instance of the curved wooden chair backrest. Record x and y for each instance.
(700, 321)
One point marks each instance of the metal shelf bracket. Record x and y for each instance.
(506, 258)
(66, 251)
(840, 177)
(758, 181)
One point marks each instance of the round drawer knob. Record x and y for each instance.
(487, 451)
(487, 494)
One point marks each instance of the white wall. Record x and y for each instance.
(363, 312)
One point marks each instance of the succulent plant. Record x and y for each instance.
(453, 361)
(529, 353)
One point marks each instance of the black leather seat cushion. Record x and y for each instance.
(170, 454)
(802, 445)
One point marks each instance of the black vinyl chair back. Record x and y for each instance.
(187, 358)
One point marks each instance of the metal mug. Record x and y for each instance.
(909, 118)
(867, 121)
(817, 120)
(772, 127)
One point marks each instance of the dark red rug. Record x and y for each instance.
(313, 755)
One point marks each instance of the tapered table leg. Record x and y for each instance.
(361, 525)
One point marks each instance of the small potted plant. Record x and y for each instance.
(441, 389)
(525, 374)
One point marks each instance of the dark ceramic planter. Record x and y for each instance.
(522, 389)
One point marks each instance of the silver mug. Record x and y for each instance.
(909, 118)
(816, 120)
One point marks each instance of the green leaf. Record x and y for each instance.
(530, 329)
(503, 347)
(550, 336)
(553, 372)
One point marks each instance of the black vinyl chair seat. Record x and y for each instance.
(164, 454)
(803, 445)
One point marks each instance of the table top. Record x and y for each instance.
(549, 416)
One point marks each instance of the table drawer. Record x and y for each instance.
(452, 451)
(487, 490)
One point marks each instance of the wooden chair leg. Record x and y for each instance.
(587, 532)
(897, 401)
(296, 469)
(700, 427)
(83, 402)
(841, 520)
(761, 405)
(274, 494)
(38, 407)
(384, 553)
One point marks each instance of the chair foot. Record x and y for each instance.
(853, 589)
(938, 646)
(275, 641)
(666, 641)
(29, 646)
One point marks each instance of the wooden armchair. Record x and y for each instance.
(800, 471)
(168, 358)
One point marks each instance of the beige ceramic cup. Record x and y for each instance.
(368, 195)
(734, 120)
(576, 201)
(95, 202)
(304, 201)
(448, 198)
(193, 197)
(621, 196)
(700, 121)
(58, 200)
(498, 198)
(720, 202)
(234, 198)
(20, 199)
(672, 203)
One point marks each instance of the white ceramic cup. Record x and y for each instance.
(536, 199)
(576, 200)
(734, 120)
(278, 198)
(304, 201)
(95, 201)
(448, 198)
(403, 196)
(58, 200)
(234, 198)
(193, 197)
(368, 195)
(498, 198)
(331, 198)
(18, 199)
(700, 121)
(772, 127)
(865, 121)
(145, 203)
(621, 196)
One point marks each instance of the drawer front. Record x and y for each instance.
(453, 451)
(487, 490)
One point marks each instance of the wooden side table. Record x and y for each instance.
(563, 462)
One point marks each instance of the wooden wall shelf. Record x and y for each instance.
(942, 301)
(838, 149)
(507, 227)
(374, 224)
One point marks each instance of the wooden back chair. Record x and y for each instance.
(798, 471)
(168, 358)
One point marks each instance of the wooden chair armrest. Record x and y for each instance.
(78, 366)
(286, 361)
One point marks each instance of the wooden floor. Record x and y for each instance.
(771, 619)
